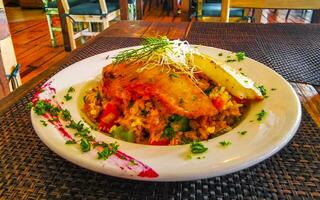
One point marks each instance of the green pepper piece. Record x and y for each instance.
(123, 134)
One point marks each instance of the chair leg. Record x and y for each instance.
(52, 38)
(288, 13)
(105, 24)
(71, 34)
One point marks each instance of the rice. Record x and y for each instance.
(150, 122)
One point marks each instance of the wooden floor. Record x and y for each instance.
(35, 54)
(33, 48)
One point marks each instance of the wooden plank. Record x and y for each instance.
(126, 29)
(4, 28)
(310, 99)
(157, 29)
(123, 9)
(38, 70)
(4, 85)
(178, 30)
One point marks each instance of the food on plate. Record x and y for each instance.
(167, 93)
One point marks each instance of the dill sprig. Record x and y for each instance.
(149, 45)
(173, 56)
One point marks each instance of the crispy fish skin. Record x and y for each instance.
(176, 93)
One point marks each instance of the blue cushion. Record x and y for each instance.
(53, 4)
(92, 8)
(214, 10)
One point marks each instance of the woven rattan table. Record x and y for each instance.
(29, 170)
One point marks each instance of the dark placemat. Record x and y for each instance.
(29, 170)
(290, 49)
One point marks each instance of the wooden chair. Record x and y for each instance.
(51, 9)
(90, 11)
(267, 4)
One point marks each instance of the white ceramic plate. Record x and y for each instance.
(169, 163)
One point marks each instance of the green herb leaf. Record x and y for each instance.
(208, 90)
(85, 145)
(144, 112)
(242, 132)
(108, 150)
(168, 132)
(44, 123)
(261, 115)
(240, 56)
(220, 54)
(231, 60)
(197, 147)
(173, 75)
(225, 143)
(41, 107)
(71, 142)
(71, 89)
(54, 111)
(67, 97)
(263, 90)
(66, 115)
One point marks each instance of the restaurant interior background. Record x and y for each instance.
(37, 41)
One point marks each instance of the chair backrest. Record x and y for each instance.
(66, 4)
(267, 4)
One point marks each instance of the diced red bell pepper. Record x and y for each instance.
(164, 141)
(109, 115)
(218, 103)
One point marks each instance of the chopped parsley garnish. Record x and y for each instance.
(144, 112)
(54, 111)
(220, 54)
(231, 60)
(197, 147)
(208, 90)
(132, 163)
(175, 123)
(66, 115)
(168, 132)
(263, 91)
(98, 96)
(273, 89)
(44, 123)
(53, 120)
(41, 107)
(130, 104)
(242, 132)
(67, 97)
(71, 89)
(225, 143)
(261, 115)
(71, 142)
(173, 75)
(240, 56)
(108, 150)
(85, 145)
